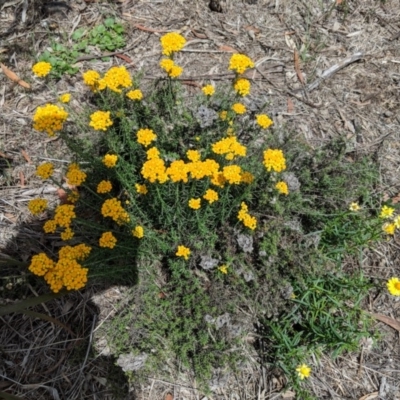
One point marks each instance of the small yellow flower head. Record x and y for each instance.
(239, 63)
(49, 118)
(68, 234)
(65, 98)
(243, 215)
(37, 206)
(396, 221)
(41, 69)
(354, 207)
(175, 71)
(100, 120)
(389, 228)
(242, 87)
(154, 170)
(303, 371)
(110, 160)
(145, 136)
(73, 196)
(138, 232)
(141, 189)
(282, 188)
(247, 177)
(178, 171)
(386, 212)
(195, 204)
(50, 226)
(113, 208)
(64, 215)
(183, 252)
(229, 146)
(171, 43)
(135, 94)
(211, 196)
(104, 187)
(223, 115)
(223, 269)
(78, 252)
(74, 175)
(115, 78)
(264, 121)
(152, 153)
(91, 79)
(166, 64)
(393, 285)
(208, 90)
(239, 108)
(107, 239)
(193, 155)
(40, 264)
(274, 160)
(45, 170)
(232, 174)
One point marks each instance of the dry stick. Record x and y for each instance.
(333, 70)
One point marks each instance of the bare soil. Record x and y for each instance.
(361, 102)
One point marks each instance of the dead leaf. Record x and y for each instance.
(11, 217)
(191, 83)
(124, 57)
(62, 195)
(252, 28)
(289, 41)
(297, 66)
(14, 77)
(290, 105)
(227, 48)
(5, 156)
(370, 396)
(162, 295)
(26, 156)
(199, 35)
(387, 320)
(143, 28)
(395, 199)
(169, 397)
(22, 178)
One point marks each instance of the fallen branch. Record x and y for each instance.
(333, 70)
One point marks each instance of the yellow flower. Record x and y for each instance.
(264, 121)
(229, 146)
(50, 226)
(211, 196)
(91, 78)
(223, 115)
(239, 63)
(396, 221)
(193, 155)
(49, 118)
(248, 221)
(386, 212)
(154, 170)
(354, 207)
(138, 232)
(68, 234)
(239, 108)
(113, 208)
(303, 371)
(64, 215)
(78, 252)
(183, 252)
(393, 285)
(74, 175)
(145, 136)
(152, 153)
(73, 196)
(208, 90)
(223, 269)
(45, 170)
(389, 228)
(110, 160)
(274, 160)
(247, 177)
(175, 71)
(171, 43)
(115, 78)
(178, 171)
(41, 69)
(242, 86)
(65, 98)
(104, 187)
(195, 204)
(141, 189)
(107, 239)
(232, 174)
(40, 264)
(282, 188)
(135, 94)
(37, 206)
(100, 120)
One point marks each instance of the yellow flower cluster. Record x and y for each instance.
(64, 215)
(45, 170)
(210, 196)
(242, 86)
(113, 208)
(107, 239)
(49, 118)
(247, 177)
(115, 78)
(152, 153)
(66, 272)
(141, 189)
(390, 227)
(73, 196)
(171, 43)
(65, 98)
(75, 175)
(135, 94)
(246, 218)
(193, 155)
(239, 63)
(229, 146)
(195, 204)
(68, 234)
(37, 206)
(223, 115)
(274, 160)
(239, 108)
(178, 171)
(202, 169)
(91, 79)
(232, 174)
(41, 69)
(208, 90)
(154, 170)
(100, 120)
(264, 121)
(138, 231)
(145, 136)
(104, 187)
(183, 252)
(171, 68)
(393, 285)
(282, 188)
(110, 160)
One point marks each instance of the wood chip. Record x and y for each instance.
(145, 29)
(387, 320)
(26, 156)
(370, 396)
(227, 48)
(14, 77)
(299, 74)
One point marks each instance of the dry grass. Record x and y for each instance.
(361, 102)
